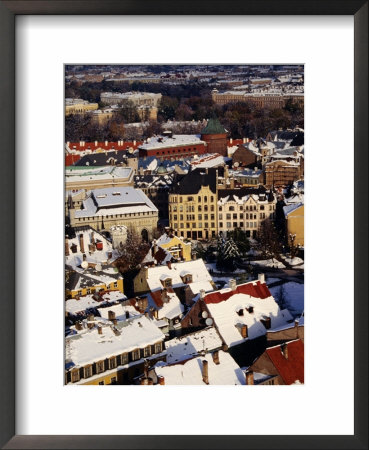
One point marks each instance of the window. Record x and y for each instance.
(124, 358)
(231, 208)
(261, 207)
(87, 371)
(113, 380)
(190, 199)
(199, 199)
(199, 208)
(199, 225)
(211, 198)
(135, 355)
(255, 225)
(221, 224)
(181, 217)
(206, 225)
(229, 225)
(220, 208)
(234, 216)
(147, 351)
(175, 217)
(112, 362)
(116, 284)
(205, 199)
(212, 208)
(100, 366)
(167, 282)
(220, 216)
(199, 216)
(206, 217)
(158, 347)
(212, 224)
(228, 216)
(75, 376)
(212, 217)
(234, 224)
(205, 207)
(101, 383)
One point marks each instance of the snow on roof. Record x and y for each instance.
(89, 346)
(98, 256)
(74, 306)
(113, 201)
(197, 268)
(223, 306)
(182, 348)
(170, 309)
(190, 373)
(120, 311)
(290, 208)
(81, 173)
(159, 142)
(209, 160)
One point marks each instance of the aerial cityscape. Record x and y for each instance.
(184, 224)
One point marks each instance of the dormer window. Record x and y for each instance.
(166, 281)
(240, 311)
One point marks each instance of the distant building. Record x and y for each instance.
(78, 106)
(269, 100)
(137, 98)
(281, 173)
(215, 136)
(177, 247)
(172, 146)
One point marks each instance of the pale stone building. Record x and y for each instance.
(106, 208)
(240, 208)
(78, 106)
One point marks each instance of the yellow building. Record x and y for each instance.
(294, 215)
(78, 106)
(113, 351)
(89, 281)
(193, 205)
(176, 246)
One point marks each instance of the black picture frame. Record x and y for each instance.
(8, 12)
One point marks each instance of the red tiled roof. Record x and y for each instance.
(292, 368)
(110, 146)
(156, 296)
(258, 290)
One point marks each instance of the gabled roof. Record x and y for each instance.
(194, 180)
(291, 369)
(257, 290)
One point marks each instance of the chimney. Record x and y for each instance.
(96, 143)
(90, 321)
(284, 350)
(111, 315)
(91, 248)
(110, 255)
(106, 143)
(244, 140)
(205, 371)
(249, 377)
(146, 272)
(134, 142)
(169, 264)
(154, 248)
(99, 329)
(297, 328)
(92, 238)
(161, 380)
(115, 321)
(84, 257)
(261, 277)
(164, 296)
(202, 294)
(66, 246)
(81, 243)
(73, 248)
(244, 331)
(231, 141)
(127, 314)
(216, 357)
(232, 284)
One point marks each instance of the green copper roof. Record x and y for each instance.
(213, 127)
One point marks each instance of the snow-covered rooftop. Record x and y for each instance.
(176, 140)
(117, 200)
(74, 306)
(201, 278)
(184, 347)
(229, 322)
(89, 346)
(227, 372)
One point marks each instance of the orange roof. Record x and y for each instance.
(290, 369)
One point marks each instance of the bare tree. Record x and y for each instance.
(132, 252)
